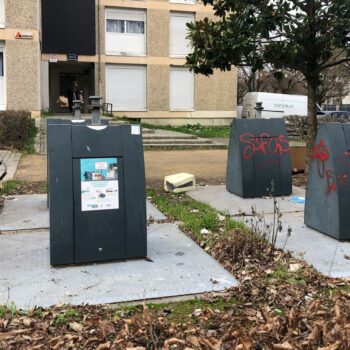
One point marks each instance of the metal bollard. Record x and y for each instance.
(259, 108)
(96, 109)
(77, 109)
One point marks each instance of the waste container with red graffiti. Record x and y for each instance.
(259, 161)
(328, 188)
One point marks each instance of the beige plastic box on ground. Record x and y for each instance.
(179, 182)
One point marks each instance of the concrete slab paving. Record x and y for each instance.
(178, 267)
(11, 159)
(220, 199)
(325, 253)
(30, 212)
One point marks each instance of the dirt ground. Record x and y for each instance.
(209, 167)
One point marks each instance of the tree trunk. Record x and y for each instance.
(311, 121)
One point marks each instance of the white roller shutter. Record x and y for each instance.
(125, 43)
(179, 45)
(126, 87)
(181, 89)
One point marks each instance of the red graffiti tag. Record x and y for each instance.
(264, 143)
(331, 183)
(321, 154)
(331, 180)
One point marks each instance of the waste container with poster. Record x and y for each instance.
(258, 157)
(96, 192)
(328, 187)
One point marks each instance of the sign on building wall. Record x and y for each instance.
(53, 58)
(24, 35)
(72, 57)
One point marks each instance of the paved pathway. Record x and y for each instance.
(177, 266)
(30, 212)
(11, 159)
(326, 254)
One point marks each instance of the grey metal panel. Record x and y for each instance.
(259, 153)
(135, 195)
(234, 181)
(60, 193)
(89, 142)
(98, 235)
(120, 233)
(328, 192)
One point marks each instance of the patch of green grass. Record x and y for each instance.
(46, 114)
(13, 187)
(9, 309)
(193, 215)
(181, 312)
(197, 129)
(65, 317)
(38, 313)
(10, 187)
(282, 274)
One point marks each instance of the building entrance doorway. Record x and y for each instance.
(62, 76)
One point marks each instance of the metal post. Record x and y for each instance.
(77, 109)
(259, 108)
(96, 108)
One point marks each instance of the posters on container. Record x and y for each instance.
(99, 184)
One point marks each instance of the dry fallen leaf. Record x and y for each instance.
(76, 326)
(283, 346)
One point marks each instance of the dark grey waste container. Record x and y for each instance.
(96, 192)
(328, 188)
(259, 154)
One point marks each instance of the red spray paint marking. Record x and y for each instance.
(331, 183)
(321, 154)
(264, 143)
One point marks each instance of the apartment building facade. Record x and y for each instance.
(20, 55)
(130, 52)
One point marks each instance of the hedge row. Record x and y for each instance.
(17, 129)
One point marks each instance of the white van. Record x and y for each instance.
(275, 105)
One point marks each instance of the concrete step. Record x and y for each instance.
(176, 141)
(183, 146)
(146, 131)
(167, 137)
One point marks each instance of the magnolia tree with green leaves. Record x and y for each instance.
(308, 36)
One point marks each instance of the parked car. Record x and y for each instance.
(339, 114)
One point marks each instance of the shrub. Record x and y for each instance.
(17, 129)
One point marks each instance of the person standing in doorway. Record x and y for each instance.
(73, 94)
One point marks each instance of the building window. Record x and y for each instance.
(181, 89)
(126, 87)
(121, 26)
(125, 32)
(179, 45)
(2, 13)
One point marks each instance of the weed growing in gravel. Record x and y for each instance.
(65, 317)
(9, 310)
